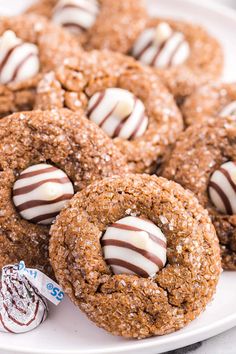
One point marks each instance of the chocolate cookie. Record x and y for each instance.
(212, 100)
(138, 255)
(45, 158)
(127, 101)
(204, 162)
(184, 55)
(98, 24)
(29, 46)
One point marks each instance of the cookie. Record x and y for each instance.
(202, 161)
(97, 24)
(126, 100)
(211, 100)
(184, 55)
(146, 260)
(29, 46)
(45, 158)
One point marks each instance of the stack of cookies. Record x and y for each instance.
(118, 168)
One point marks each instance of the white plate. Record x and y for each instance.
(67, 330)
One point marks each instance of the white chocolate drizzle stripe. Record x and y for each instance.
(104, 119)
(143, 50)
(96, 103)
(225, 197)
(37, 178)
(119, 113)
(36, 172)
(133, 268)
(171, 51)
(150, 256)
(175, 51)
(222, 196)
(74, 25)
(121, 270)
(7, 56)
(143, 224)
(35, 203)
(5, 62)
(229, 110)
(43, 209)
(41, 218)
(227, 175)
(79, 7)
(80, 15)
(123, 122)
(153, 237)
(139, 124)
(30, 188)
(131, 119)
(20, 65)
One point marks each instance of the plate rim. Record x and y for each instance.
(205, 332)
(199, 334)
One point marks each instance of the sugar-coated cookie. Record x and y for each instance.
(29, 46)
(184, 55)
(204, 162)
(45, 158)
(138, 255)
(97, 24)
(124, 99)
(212, 100)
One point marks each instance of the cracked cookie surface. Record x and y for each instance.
(204, 63)
(129, 305)
(59, 138)
(209, 101)
(73, 84)
(54, 46)
(199, 152)
(117, 24)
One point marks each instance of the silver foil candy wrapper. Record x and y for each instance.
(22, 308)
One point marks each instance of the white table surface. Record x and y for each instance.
(224, 343)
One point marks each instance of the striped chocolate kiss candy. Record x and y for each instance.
(40, 192)
(18, 60)
(229, 110)
(119, 113)
(22, 308)
(161, 47)
(76, 15)
(134, 246)
(222, 188)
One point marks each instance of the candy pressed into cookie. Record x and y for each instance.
(184, 55)
(212, 100)
(204, 162)
(29, 46)
(138, 255)
(124, 99)
(97, 24)
(45, 158)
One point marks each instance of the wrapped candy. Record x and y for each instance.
(23, 293)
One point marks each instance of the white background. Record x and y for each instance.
(224, 343)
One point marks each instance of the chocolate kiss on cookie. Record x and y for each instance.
(40, 192)
(229, 110)
(19, 60)
(161, 47)
(119, 113)
(222, 188)
(134, 245)
(76, 15)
